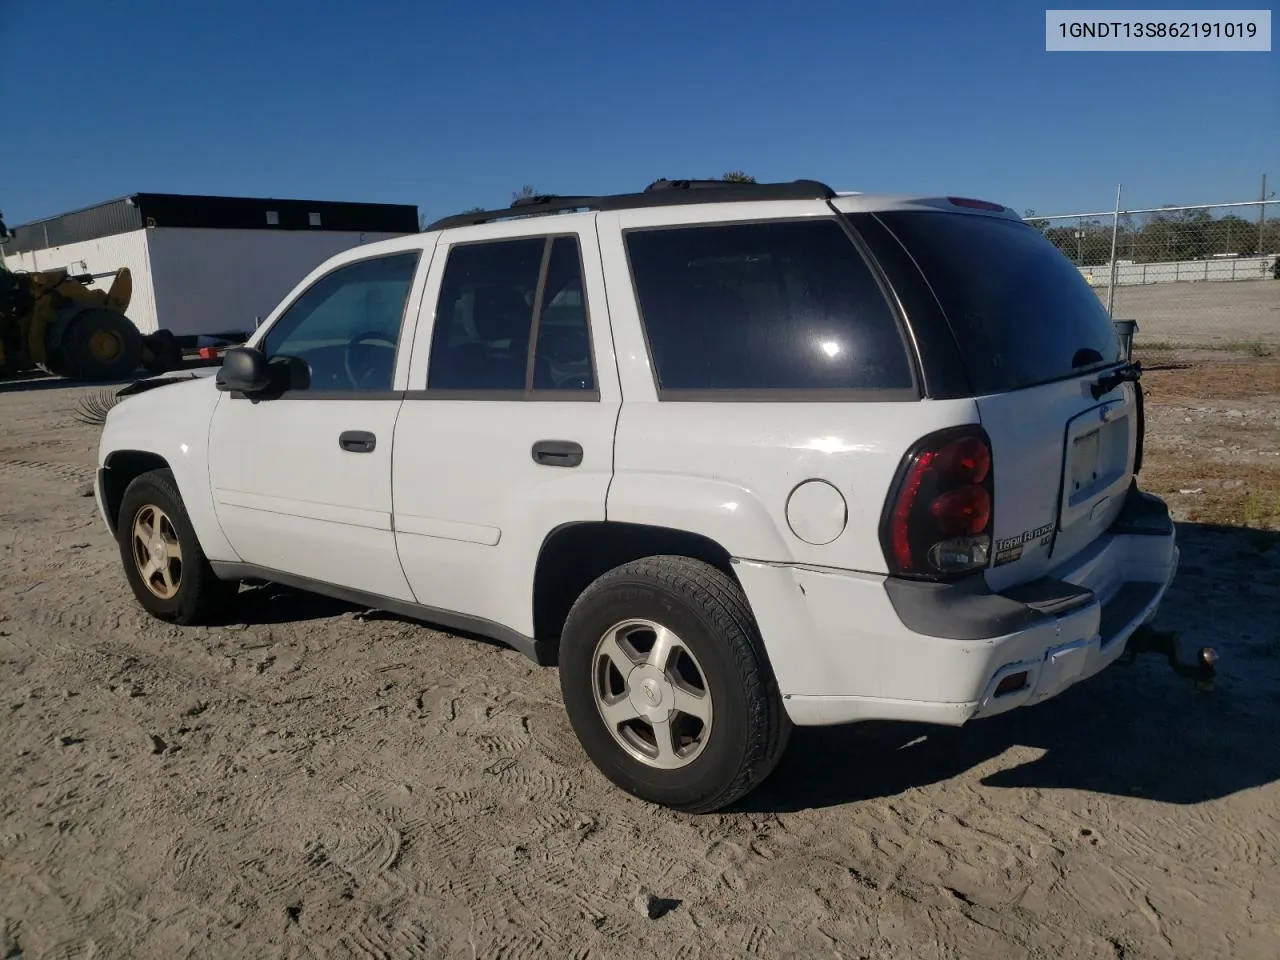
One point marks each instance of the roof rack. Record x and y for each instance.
(660, 193)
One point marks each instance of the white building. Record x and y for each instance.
(203, 264)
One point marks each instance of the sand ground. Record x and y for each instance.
(312, 781)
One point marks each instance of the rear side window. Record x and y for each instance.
(485, 316)
(1021, 312)
(512, 318)
(774, 306)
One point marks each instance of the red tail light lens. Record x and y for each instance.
(963, 511)
(937, 521)
(967, 460)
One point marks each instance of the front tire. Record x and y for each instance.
(667, 686)
(163, 562)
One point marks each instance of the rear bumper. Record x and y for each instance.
(848, 647)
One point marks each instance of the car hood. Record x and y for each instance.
(187, 399)
(164, 380)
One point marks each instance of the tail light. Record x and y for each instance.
(937, 520)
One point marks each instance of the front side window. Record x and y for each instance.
(341, 334)
(774, 306)
(512, 318)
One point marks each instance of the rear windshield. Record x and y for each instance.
(1020, 310)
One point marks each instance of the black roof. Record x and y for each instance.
(173, 210)
(660, 193)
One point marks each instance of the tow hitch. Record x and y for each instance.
(1202, 670)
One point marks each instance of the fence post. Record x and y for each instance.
(1115, 230)
(1262, 214)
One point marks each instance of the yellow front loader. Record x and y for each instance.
(54, 320)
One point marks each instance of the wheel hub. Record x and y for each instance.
(650, 692)
(104, 345)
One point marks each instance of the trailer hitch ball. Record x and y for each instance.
(1202, 670)
(1207, 657)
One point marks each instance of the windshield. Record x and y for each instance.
(1020, 310)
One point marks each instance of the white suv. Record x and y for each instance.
(736, 457)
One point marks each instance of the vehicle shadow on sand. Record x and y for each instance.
(263, 604)
(1137, 731)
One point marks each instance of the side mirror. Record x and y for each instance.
(244, 370)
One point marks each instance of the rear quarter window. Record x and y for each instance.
(777, 306)
(1021, 312)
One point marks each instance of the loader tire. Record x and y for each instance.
(161, 352)
(99, 345)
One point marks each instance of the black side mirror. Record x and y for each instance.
(244, 370)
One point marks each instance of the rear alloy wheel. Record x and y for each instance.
(163, 562)
(652, 694)
(667, 686)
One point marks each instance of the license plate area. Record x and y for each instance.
(1085, 463)
(1097, 459)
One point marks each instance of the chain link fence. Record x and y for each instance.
(1193, 277)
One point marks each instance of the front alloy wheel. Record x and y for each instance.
(157, 552)
(163, 561)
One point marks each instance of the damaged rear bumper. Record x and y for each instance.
(884, 648)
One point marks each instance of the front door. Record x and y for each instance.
(302, 481)
(506, 433)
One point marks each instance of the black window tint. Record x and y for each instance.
(785, 305)
(485, 315)
(562, 360)
(345, 327)
(1021, 312)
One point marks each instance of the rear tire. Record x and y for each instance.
(163, 562)
(696, 676)
(100, 344)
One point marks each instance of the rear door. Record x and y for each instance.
(1035, 341)
(506, 432)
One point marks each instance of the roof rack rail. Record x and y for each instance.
(548, 199)
(660, 193)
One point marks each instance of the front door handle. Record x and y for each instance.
(557, 453)
(357, 441)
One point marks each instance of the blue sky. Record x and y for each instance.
(455, 105)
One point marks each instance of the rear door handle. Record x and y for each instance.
(557, 453)
(357, 441)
